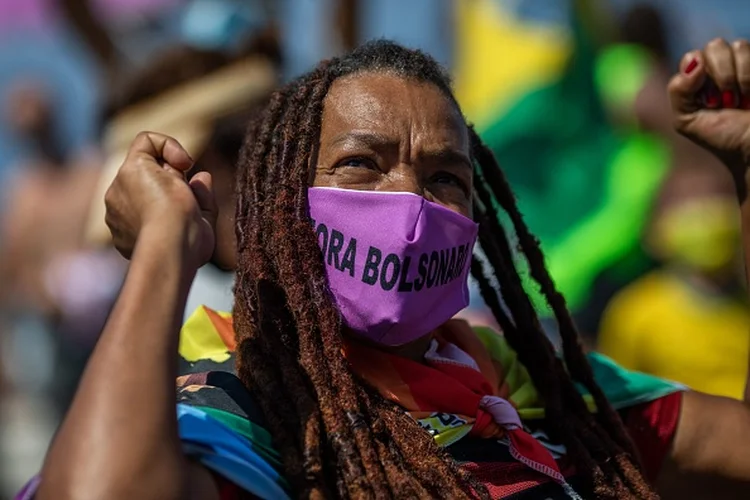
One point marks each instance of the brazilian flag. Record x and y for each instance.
(541, 98)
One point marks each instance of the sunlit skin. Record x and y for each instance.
(383, 133)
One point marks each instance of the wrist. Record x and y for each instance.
(169, 241)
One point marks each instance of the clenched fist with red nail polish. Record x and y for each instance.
(710, 99)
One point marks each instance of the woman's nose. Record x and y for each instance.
(405, 179)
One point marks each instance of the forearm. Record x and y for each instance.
(710, 456)
(119, 439)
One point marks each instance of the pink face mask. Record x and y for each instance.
(397, 264)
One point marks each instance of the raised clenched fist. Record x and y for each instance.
(150, 190)
(710, 98)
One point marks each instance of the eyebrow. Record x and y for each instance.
(447, 156)
(364, 138)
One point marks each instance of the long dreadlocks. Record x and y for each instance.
(337, 436)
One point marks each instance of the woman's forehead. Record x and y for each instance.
(389, 104)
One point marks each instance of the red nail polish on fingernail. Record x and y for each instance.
(691, 66)
(728, 100)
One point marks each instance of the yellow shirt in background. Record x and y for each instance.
(659, 325)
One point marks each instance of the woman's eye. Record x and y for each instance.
(359, 163)
(451, 180)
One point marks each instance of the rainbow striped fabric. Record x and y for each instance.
(223, 428)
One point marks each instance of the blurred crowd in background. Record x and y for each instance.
(639, 226)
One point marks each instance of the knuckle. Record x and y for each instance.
(675, 89)
(140, 162)
(716, 42)
(141, 136)
(690, 55)
(142, 141)
(109, 198)
(679, 121)
(139, 140)
(740, 44)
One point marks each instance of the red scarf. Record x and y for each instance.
(457, 377)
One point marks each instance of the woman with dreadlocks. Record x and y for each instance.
(342, 375)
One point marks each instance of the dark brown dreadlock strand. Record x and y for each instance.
(598, 438)
(337, 436)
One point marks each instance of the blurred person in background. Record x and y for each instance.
(340, 390)
(45, 216)
(55, 293)
(636, 64)
(206, 98)
(689, 320)
(59, 270)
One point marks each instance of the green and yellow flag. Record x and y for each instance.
(538, 96)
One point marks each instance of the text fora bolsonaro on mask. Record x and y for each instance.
(397, 264)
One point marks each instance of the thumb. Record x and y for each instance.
(687, 84)
(202, 186)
